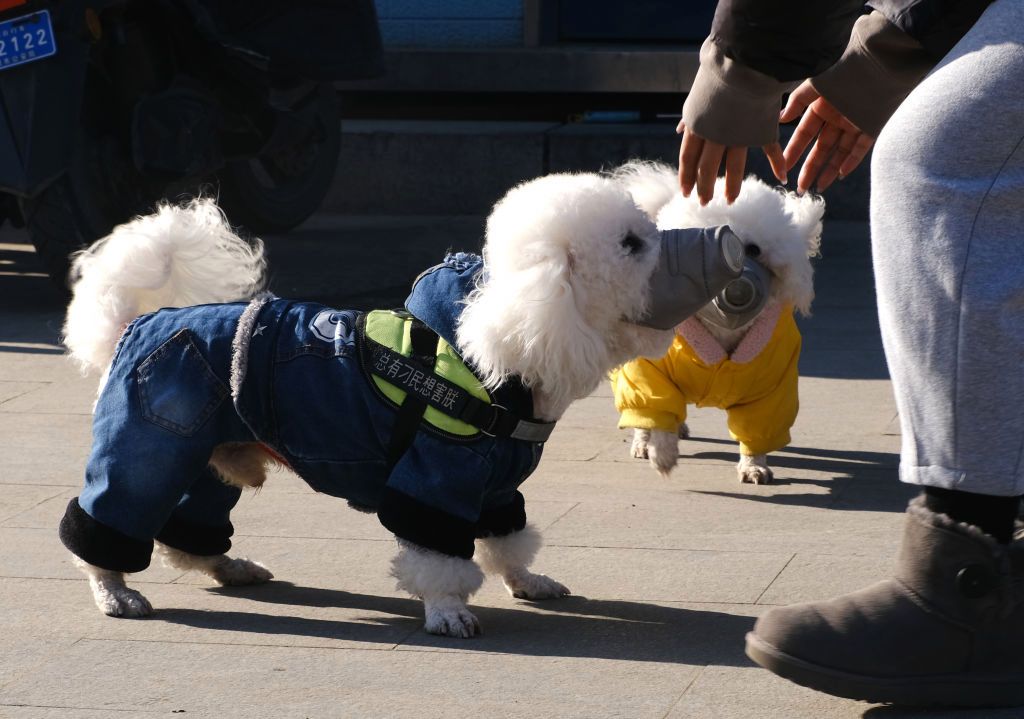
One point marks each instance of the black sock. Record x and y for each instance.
(992, 515)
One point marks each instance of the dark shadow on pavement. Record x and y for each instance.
(838, 459)
(31, 308)
(893, 712)
(571, 627)
(860, 480)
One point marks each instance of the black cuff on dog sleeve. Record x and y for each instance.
(424, 525)
(199, 539)
(100, 545)
(499, 521)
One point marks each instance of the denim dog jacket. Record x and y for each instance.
(286, 374)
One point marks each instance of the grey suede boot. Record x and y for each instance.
(947, 630)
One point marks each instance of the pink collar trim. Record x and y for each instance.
(710, 352)
(759, 334)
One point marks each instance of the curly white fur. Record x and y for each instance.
(444, 584)
(785, 227)
(225, 570)
(561, 283)
(754, 469)
(662, 450)
(175, 257)
(558, 286)
(113, 597)
(509, 556)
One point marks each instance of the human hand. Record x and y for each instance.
(700, 160)
(839, 145)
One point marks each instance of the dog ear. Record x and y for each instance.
(806, 213)
(525, 320)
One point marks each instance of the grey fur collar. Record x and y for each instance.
(240, 343)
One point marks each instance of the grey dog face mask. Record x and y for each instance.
(742, 299)
(695, 265)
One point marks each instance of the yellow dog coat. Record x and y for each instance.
(756, 385)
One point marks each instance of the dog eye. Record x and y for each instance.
(632, 244)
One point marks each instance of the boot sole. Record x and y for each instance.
(943, 690)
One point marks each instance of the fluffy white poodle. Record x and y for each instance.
(195, 402)
(745, 363)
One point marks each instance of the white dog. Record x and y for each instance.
(565, 266)
(749, 369)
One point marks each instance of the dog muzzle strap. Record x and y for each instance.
(695, 265)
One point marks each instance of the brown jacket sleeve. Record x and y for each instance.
(879, 68)
(731, 103)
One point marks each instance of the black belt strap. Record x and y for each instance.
(415, 375)
(410, 413)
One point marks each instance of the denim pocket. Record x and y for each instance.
(177, 388)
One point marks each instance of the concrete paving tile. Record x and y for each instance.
(43, 515)
(69, 396)
(34, 363)
(597, 410)
(709, 470)
(32, 431)
(22, 654)
(40, 554)
(41, 712)
(209, 680)
(727, 522)
(743, 693)
(18, 498)
(274, 614)
(810, 577)
(843, 406)
(594, 572)
(582, 628)
(334, 564)
(883, 494)
(10, 389)
(580, 444)
(43, 464)
(746, 692)
(658, 575)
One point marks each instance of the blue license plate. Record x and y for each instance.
(26, 39)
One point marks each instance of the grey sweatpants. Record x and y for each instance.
(947, 222)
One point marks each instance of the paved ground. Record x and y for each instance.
(668, 576)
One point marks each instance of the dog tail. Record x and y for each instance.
(176, 257)
(652, 184)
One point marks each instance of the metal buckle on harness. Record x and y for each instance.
(495, 417)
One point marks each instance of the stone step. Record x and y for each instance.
(415, 167)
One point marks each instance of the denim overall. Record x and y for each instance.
(286, 374)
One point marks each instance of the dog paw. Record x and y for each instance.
(527, 585)
(663, 451)
(240, 572)
(451, 619)
(638, 449)
(754, 470)
(122, 602)
(684, 431)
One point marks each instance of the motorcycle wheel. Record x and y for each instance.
(281, 188)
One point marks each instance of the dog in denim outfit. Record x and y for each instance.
(199, 397)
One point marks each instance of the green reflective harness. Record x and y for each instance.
(423, 376)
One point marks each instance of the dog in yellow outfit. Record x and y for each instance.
(750, 369)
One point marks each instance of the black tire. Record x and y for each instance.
(281, 189)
